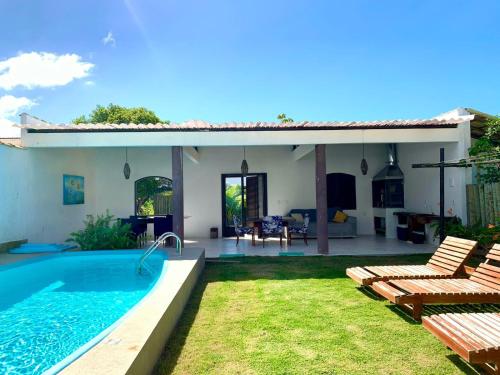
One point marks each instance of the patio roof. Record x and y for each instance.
(203, 126)
(11, 142)
(479, 124)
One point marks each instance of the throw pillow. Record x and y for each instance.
(298, 217)
(339, 217)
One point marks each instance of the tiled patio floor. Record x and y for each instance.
(362, 245)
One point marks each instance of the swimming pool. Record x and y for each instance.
(54, 309)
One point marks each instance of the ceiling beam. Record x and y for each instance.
(301, 151)
(192, 154)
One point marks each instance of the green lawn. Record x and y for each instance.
(299, 316)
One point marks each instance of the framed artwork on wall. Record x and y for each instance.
(73, 190)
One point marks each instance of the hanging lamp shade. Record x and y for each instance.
(244, 164)
(364, 163)
(126, 167)
(364, 166)
(244, 167)
(126, 171)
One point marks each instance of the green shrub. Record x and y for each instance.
(103, 233)
(485, 236)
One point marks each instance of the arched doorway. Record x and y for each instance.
(153, 196)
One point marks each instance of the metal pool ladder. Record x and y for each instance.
(154, 246)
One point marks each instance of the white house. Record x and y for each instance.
(295, 158)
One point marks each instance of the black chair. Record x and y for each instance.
(163, 224)
(138, 227)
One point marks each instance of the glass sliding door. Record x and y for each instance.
(243, 197)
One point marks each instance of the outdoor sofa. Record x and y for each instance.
(348, 229)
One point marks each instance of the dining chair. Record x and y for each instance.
(138, 229)
(272, 226)
(241, 230)
(162, 224)
(299, 229)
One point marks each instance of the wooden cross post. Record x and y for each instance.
(442, 165)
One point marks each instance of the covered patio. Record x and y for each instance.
(296, 159)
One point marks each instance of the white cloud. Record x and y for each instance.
(109, 39)
(42, 69)
(89, 83)
(9, 107)
(7, 130)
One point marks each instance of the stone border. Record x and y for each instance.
(6, 246)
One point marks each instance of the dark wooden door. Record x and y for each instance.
(252, 197)
(249, 204)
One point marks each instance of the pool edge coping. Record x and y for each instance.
(135, 344)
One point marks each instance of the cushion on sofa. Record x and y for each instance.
(303, 211)
(312, 213)
(340, 217)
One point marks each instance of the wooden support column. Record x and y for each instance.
(178, 191)
(321, 202)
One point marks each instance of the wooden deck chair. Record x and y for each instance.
(483, 286)
(448, 261)
(474, 337)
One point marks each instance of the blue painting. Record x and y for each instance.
(73, 189)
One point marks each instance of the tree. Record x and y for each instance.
(485, 151)
(145, 190)
(233, 202)
(284, 119)
(115, 114)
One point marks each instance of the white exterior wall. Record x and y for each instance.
(347, 159)
(422, 185)
(290, 183)
(13, 192)
(31, 193)
(31, 183)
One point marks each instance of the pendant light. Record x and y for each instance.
(364, 163)
(126, 167)
(244, 164)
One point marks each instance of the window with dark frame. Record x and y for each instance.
(341, 191)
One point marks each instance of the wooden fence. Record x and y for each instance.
(163, 204)
(483, 204)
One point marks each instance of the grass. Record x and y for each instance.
(299, 316)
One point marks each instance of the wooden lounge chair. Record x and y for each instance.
(448, 261)
(474, 337)
(483, 286)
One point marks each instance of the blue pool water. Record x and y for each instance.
(52, 309)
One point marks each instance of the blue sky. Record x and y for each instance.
(250, 60)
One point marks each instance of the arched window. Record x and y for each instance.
(153, 196)
(341, 191)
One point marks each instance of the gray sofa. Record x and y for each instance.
(335, 230)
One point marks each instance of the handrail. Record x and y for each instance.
(154, 246)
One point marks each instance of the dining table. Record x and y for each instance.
(257, 224)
